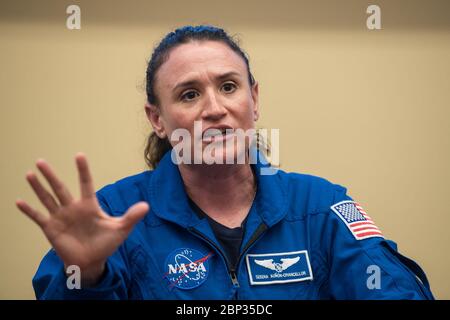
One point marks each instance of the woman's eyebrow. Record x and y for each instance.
(188, 83)
(227, 75)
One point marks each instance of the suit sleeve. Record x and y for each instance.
(50, 280)
(362, 263)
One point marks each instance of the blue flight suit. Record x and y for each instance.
(304, 238)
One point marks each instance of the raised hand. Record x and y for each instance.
(79, 230)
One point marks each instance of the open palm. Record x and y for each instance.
(79, 230)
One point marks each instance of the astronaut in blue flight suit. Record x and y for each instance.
(298, 244)
(184, 231)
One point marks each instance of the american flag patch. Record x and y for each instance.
(356, 219)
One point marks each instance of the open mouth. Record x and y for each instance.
(216, 134)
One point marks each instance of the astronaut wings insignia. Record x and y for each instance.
(278, 267)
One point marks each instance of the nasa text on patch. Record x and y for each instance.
(281, 267)
(186, 268)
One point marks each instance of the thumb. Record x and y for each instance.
(135, 213)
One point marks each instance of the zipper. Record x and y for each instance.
(232, 269)
(256, 235)
(234, 278)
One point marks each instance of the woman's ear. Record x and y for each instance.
(154, 116)
(255, 97)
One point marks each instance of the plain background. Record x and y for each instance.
(366, 109)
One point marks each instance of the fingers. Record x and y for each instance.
(135, 213)
(60, 190)
(86, 184)
(33, 214)
(46, 198)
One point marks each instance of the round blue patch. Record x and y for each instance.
(186, 268)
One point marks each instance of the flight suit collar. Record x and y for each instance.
(169, 200)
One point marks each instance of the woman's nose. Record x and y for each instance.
(213, 108)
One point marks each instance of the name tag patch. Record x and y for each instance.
(282, 267)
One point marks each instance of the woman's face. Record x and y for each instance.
(204, 81)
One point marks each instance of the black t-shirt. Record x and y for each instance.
(230, 238)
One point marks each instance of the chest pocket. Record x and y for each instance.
(147, 281)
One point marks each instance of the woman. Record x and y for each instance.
(196, 230)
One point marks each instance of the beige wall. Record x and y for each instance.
(366, 109)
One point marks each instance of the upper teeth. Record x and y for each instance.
(214, 132)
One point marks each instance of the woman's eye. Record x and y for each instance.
(190, 95)
(229, 87)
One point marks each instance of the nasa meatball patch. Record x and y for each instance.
(186, 268)
(281, 267)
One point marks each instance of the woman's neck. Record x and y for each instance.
(224, 192)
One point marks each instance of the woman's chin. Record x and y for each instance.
(220, 155)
